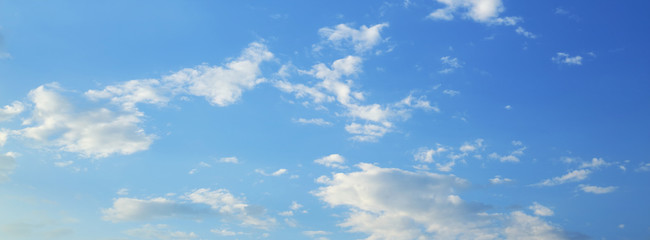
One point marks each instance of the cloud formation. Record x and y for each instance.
(482, 11)
(362, 39)
(389, 203)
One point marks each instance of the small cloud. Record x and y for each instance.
(332, 161)
(123, 191)
(228, 160)
(541, 210)
(450, 63)
(564, 58)
(643, 167)
(314, 121)
(521, 31)
(499, 180)
(596, 189)
(508, 107)
(451, 92)
(279, 172)
(595, 163)
(572, 176)
(63, 164)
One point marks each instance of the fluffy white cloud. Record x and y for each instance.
(524, 226)
(314, 121)
(595, 163)
(572, 176)
(389, 203)
(129, 93)
(220, 85)
(521, 31)
(563, 58)
(426, 154)
(597, 189)
(198, 204)
(93, 133)
(513, 156)
(8, 111)
(159, 232)
(363, 39)
(7, 166)
(367, 132)
(483, 11)
(223, 85)
(541, 210)
(332, 160)
(499, 180)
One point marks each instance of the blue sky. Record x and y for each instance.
(437, 119)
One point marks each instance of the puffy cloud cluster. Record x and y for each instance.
(101, 132)
(332, 160)
(389, 203)
(198, 204)
(445, 157)
(92, 133)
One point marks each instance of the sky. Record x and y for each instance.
(405, 119)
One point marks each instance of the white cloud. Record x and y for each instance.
(595, 163)
(332, 160)
(93, 133)
(420, 102)
(9, 111)
(228, 160)
(314, 121)
(389, 203)
(3, 137)
(159, 232)
(529, 227)
(129, 93)
(483, 11)
(123, 191)
(223, 86)
(63, 163)
(220, 85)
(450, 63)
(426, 155)
(572, 176)
(508, 107)
(279, 172)
(563, 58)
(450, 92)
(499, 180)
(295, 206)
(363, 39)
(198, 204)
(643, 167)
(521, 31)
(541, 210)
(302, 91)
(367, 132)
(7, 166)
(315, 233)
(596, 189)
(225, 232)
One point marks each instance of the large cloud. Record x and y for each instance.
(389, 203)
(198, 204)
(91, 133)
